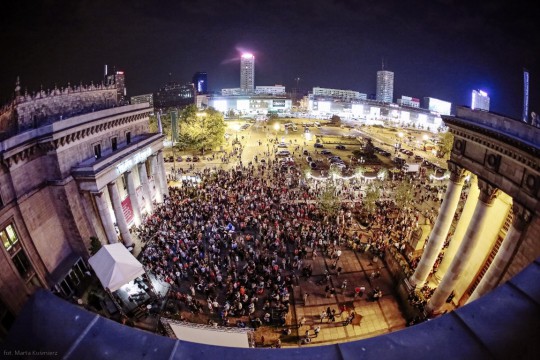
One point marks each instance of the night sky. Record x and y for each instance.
(438, 48)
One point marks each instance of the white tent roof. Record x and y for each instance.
(115, 266)
(230, 337)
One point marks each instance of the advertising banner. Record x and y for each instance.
(127, 209)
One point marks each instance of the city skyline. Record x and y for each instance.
(442, 50)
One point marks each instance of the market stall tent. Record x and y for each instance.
(115, 266)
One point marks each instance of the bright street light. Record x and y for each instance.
(276, 126)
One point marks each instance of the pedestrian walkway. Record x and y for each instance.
(372, 317)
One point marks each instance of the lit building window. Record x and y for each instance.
(16, 252)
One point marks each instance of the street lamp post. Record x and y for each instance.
(276, 127)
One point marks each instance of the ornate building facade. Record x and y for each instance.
(74, 165)
(498, 231)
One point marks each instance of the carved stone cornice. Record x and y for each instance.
(503, 145)
(488, 192)
(521, 216)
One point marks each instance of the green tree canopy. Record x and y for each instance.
(403, 194)
(329, 203)
(336, 120)
(200, 130)
(372, 195)
(165, 122)
(447, 141)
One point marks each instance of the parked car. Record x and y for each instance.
(179, 159)
(340, 147)
(196, 158)
(305, 152)
(326, 152)
(282, 145)
(283, 153)
(313, 165)
(339, 165)
(318, 145)
(188, 159)
(418, 158)
(309, 159)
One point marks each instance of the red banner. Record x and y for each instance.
(127, 209)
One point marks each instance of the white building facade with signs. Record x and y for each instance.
(250, 105)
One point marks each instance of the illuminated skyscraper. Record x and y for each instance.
(480, 100)
(385, 86)
(200, 80)
(247, 73)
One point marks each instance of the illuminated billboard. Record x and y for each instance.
(405, 116)
(357, 109)
(242, 104)
(374, 112)
(278, 103)
(324, 106)
(220, 105)
(440, 106)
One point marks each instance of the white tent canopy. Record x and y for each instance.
(115, 266)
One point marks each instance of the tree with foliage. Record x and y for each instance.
(372, 195)
(403, 194)
(329, 202)
(447, 141)
(165, 123)
(335, 120)
(200, 130)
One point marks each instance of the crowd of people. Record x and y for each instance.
(232, 243)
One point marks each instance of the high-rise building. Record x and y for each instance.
(385, 86)
(247, 73)
(200, 81)
(174, 95)
(118, 78)
(480, 100)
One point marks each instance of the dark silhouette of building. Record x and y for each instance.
(174, 95)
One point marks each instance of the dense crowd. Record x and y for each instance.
(234, 242)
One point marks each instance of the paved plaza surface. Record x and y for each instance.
(372, 317)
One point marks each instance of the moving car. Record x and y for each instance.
(318, 145)
(340, 147)
(326, 152)
(282, 145)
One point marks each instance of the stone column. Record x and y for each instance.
(157, 181)
(105, 217)
(488, 193)
(521, 218)
(461, 228)
(163, 174)
(145, 187)
(119, 214)
(132, 192)
(438, 234)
